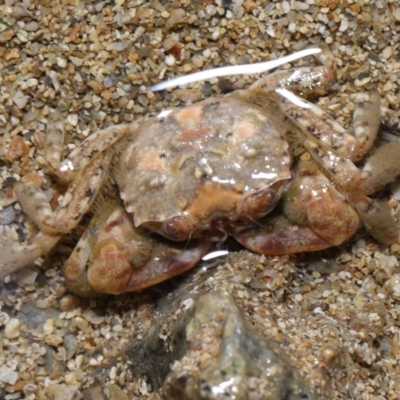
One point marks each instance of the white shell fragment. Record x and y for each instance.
(215, 254)
(233, 70)
(293, 98)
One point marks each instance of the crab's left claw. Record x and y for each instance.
(317, 216)
(279, 236)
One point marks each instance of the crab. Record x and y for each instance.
(190, 177)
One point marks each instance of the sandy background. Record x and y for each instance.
(335, 320)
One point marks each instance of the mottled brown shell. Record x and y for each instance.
(202, 161)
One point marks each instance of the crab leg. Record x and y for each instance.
(366, 121)
(115, 257)
(320, 128)
(299, 77)
(334, 149)
(331, 146)
(86, 167)
(80, 157)
(75, 270)
(14, 256)
(279, 236)
(75, 203)
(77, 200)
(377, 217)
(381, 168)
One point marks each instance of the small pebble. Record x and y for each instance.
(61, 391)
(7, 35)
(178, 16)
(44, 303)
(22, 36)
(362, 81)
(69, 302)
(27, 276)
(82, 324)
(48, 359)
(7, 215)
(344, 25)
(72, 119)
(17, 148)
(95, 392)
(49, 326)
(61, 62)
(8, 376)
(387, 52)
(170, 60)
(198, 60)
(4, 318)
(97, 319)
(19, 11)
(70, 345)
(29, 389)
(108, 82)
(32, 82)
(20, 100)
(113, 373)
(118, 46)
(70, 378)
(11, 330)
(114, 392)
(76, 61)
(395, 249)
(12, 54)
(32, 26)
(211, 10)
(394, 286)
(188, 95)
(53, 340)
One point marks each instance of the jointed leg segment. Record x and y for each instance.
(85, 169)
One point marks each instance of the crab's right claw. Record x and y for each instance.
(113, 256)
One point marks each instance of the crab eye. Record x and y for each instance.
(259, 204)
(177, 228)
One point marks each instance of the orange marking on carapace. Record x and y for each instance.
(189, 117)
(197, 135)
(151, 161)
(244, 130)
(213, 199)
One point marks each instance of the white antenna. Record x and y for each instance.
(233, 70)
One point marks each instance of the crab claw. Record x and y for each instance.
(159, 269)
(112, 270)
(280, 236)
(317, 216)
(113, 256)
